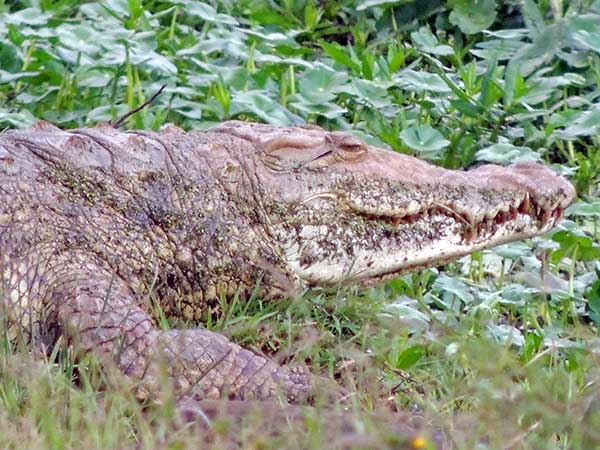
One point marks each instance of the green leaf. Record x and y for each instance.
(410, 356)
(321, 84)
(506, 154)
(509, 34)
(23, 119)
(312, 15)
(369, 92)
(263, 107)
(455, 88)
(186, 108)
(513, 250)
(517, 294)
(575, 245)
(425, 41)
(94, 78)
(28, 16)
(453, 287)
(10, 60)
(7, 77)
(367, 60)
(426, 140)
(505, 334)
(584, 209)
(585, 30)
(370, 3)
(206, 12)
(587, 124)
(81, 38)
(396, 57)
(408, 311)
(512, 78)
(541, 89)
(472, 16)
(533, 342)
(593, 300)
(499, 49)
(329, 110)
(338, 53)
(136, 9)
(467, 108)
(417, 81)
(588, 40)
(533, 16)
(490, 91)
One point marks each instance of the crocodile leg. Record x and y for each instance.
(98, 312)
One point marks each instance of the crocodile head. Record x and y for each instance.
(347, 212)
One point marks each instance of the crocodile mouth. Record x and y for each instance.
(370, 248)
(541, 217)
(504, 227)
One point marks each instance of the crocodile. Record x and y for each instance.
(103, 233)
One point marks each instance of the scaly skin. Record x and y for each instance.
(97, 226)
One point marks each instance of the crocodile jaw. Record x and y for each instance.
(370, 264)
(366, 228)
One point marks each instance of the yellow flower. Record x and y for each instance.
(419, 443)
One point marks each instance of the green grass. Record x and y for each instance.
(503, 343)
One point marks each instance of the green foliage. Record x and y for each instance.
(509, 337)
(425, 140)
(472, 16)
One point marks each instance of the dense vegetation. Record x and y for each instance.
(507, 338)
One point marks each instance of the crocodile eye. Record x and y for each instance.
(290, 151)
(346, 146)
(309, 148)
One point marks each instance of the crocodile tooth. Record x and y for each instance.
(514, 213)
(547, 214)
(558, 213)
(525, 204)
(396, 220)
(538, 209)
(487, 223)
(472, 233)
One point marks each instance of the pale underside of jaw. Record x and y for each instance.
(440, 237)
